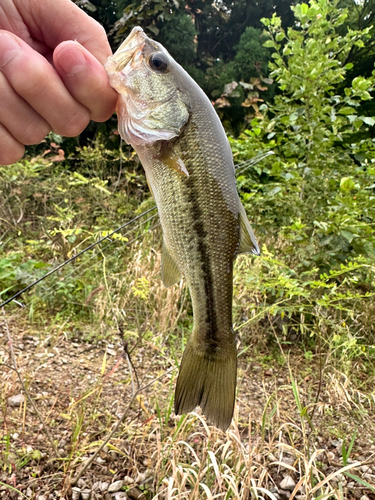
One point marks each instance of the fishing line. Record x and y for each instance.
(60, 266)
(240, 168)
(246, 166)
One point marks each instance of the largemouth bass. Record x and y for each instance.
(183, 148)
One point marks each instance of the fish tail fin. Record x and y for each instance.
(208, 380)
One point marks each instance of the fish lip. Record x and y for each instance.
(134, 42)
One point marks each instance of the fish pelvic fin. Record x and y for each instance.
(209, 381)
(170, 273)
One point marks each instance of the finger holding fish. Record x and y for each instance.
(38, 96)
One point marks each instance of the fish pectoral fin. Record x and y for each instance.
(170, 158)
(170, 273)
(248, 242)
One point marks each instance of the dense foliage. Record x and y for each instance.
(323, 163)
(311, 202)
(221, 42)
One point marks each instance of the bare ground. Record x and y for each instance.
(81, 389)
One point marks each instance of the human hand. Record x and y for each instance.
(51, 73)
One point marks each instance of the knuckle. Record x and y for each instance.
(35, 86)
(95, 32)
(101, 32)
(11, 150)
(106, 104)
(34, 134)
(102, 115)
(75, 124)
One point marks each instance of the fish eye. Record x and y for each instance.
(158, 62)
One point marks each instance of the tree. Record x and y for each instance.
(361, 15)
(318, 187)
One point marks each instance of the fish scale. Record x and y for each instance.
(202, 235)
(189, 167)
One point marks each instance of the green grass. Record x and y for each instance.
(306, 368)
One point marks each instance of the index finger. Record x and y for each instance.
(61, 20)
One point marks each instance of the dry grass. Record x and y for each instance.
(296, 398)
(179, 457)
(288, 415)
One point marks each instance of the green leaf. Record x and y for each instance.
(347, 184)
(13, 489)
(274, 191)
(269, 43)
(360, 481)
(347, 235)
(304, 9)
(346, 110)
(365, 96)
(301, 10)
(368, 120)
(352, 118)
(40, 265)
(358, 83)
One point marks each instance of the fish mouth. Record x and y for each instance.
(130, 49)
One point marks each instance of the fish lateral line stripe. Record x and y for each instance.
(205, 262)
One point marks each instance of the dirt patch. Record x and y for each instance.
(81, 390)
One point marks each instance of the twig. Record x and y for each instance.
(13, 357)
(115, 429)
(130, 366)
(126, 354)
(8, 366)
(322, 367)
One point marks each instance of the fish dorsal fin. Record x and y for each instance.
(170, 273)
(248, 242)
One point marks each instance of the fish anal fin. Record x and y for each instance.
(170, 273)
(248, 242)
(209, 381)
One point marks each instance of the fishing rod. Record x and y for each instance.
(240, 168)
(60, 266)
(75, 270)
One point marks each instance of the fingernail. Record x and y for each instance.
(8, 48)
(71, 60)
